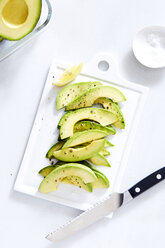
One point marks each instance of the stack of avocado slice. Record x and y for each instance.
(83, 130)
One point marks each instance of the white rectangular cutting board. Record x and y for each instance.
(44, 134)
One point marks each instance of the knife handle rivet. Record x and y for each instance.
(137, 189)
(158, 176)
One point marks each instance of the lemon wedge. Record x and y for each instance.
(69, 75)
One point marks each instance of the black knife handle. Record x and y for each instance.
(147, 182)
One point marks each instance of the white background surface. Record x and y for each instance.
(81, 29)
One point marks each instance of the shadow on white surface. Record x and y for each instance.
(134, 71)
(149, 197)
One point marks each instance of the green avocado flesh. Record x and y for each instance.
(67, 122)
(89, 97)
(84, 136)
(99, 159)
(73, 155)
(88, 125)
(18, 17)
(104, 152)
(114, 108)
(46, 170)
(54, 148)
(51, 181)
(77, 181)
(107, 143)
(71, 91)
(100, 182)
(1, 39)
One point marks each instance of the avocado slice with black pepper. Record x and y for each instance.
(114, 108)
(71, 91)
(82, 153)
(88, 125)
(67, 122)
(46, 170)
(89, 97)
(101, 181)
(82, 137)
(51, 181)
(77, 181)
(54, 148)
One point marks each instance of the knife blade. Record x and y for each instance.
(106, 206)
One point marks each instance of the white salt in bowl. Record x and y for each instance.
(149, 46)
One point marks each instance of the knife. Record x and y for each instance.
(106, 206)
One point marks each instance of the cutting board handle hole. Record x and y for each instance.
(103, 65)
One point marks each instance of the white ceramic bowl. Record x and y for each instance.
(149, 46)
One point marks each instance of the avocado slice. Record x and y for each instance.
(107, 143)
(1, 39)
(71, 91)
(84, 136)
(101, 182)
(104, 152)
(74, 155)
(89, 97)
(88, 125)
(77, 181)
(67, 122)
(51, 181)
(46, 170)
(18, 17)
(99, 159)
(54, 148)
(114, 108)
